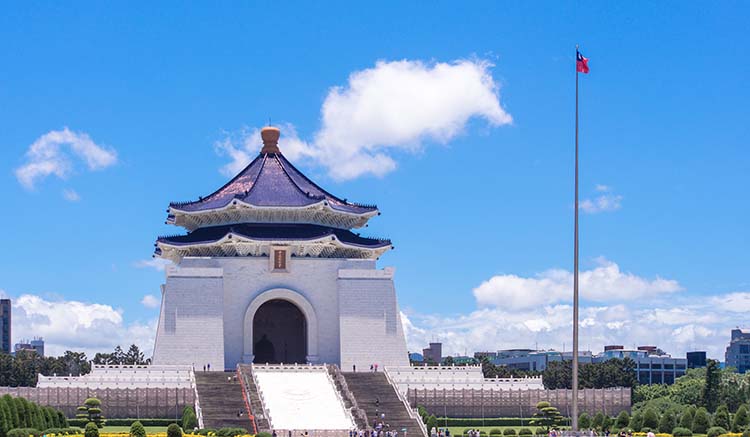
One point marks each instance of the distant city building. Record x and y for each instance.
(434, 353)
(36, 345)
(489, 355)
(5, 325)
(738, 351)
(529, 359)
(653, 365)
(696, 359)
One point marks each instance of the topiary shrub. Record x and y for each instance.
(540, 431)
(173, 430)
(715, 431)
(682, 432)
(701, 421)
(189, 419)
(137, 430)
(496, 431)
(525, 431)
(509, 431)
(24, 432)
(230, 432)
(91, 430)
(264, 434)
(741, 419)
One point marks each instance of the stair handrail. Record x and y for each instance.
(357, 411)
(339, 395)
(260, 396)
(245, 398)
(403, 400)
(197, 404)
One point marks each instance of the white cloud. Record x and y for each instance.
(79, 326)
(606, 201)
(47, 156)
(393, 106)
(150, 301)
(738, 302)
(71, 195)
(550, 327)
(605, 283)
(158, 264)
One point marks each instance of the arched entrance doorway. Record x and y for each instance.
(279, 333)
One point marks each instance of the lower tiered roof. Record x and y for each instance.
(256, 239)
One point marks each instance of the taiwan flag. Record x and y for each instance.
(582, 64)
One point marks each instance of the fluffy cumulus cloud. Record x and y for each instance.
(80, 326)
(57, 153)
(604, 201)
(604, 282)
(393, 106)
(150, 301)
(507, 317)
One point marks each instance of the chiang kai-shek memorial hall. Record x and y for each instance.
(270, 272)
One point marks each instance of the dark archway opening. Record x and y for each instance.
(279, 333)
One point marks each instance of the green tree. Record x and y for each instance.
(643, 393)
(546, 416)
(431, 422)
(598, 421)
(173, 430)
(686, 419)
(650, 419)
(667, 422)
(584, 421)
(13, 418)
(189, 419)
(721, 417)
(636, 421)
(91, 410)
(623, 420)
(137, 429)
(4, 424)
(92, 430)
(710, 395)
(701, 421)
(741, 419)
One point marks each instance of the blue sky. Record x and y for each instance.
(480, 211)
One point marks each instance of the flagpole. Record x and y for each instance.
(574, 386)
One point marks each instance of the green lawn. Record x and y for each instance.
(149, 429)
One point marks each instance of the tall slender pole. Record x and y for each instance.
(574, 419)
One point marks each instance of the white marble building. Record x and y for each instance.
(270, 272)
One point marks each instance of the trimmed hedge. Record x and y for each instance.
(126, 422)
(174, 430)
(496, 431)
(91, 430)
(716, 431)
(682, 432)
(231, 432)
(495, 421)
(137, 429)
(509, 431)
(24, 432)
(62, 431)
(525, 431)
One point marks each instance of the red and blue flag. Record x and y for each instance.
(582, 64)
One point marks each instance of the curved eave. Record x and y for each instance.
(358, 220)
(175, 250)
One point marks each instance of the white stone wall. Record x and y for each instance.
(370, 322)
(190, 322)
(368, 331)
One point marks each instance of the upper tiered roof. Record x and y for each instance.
(270, 189)
(270, 204)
